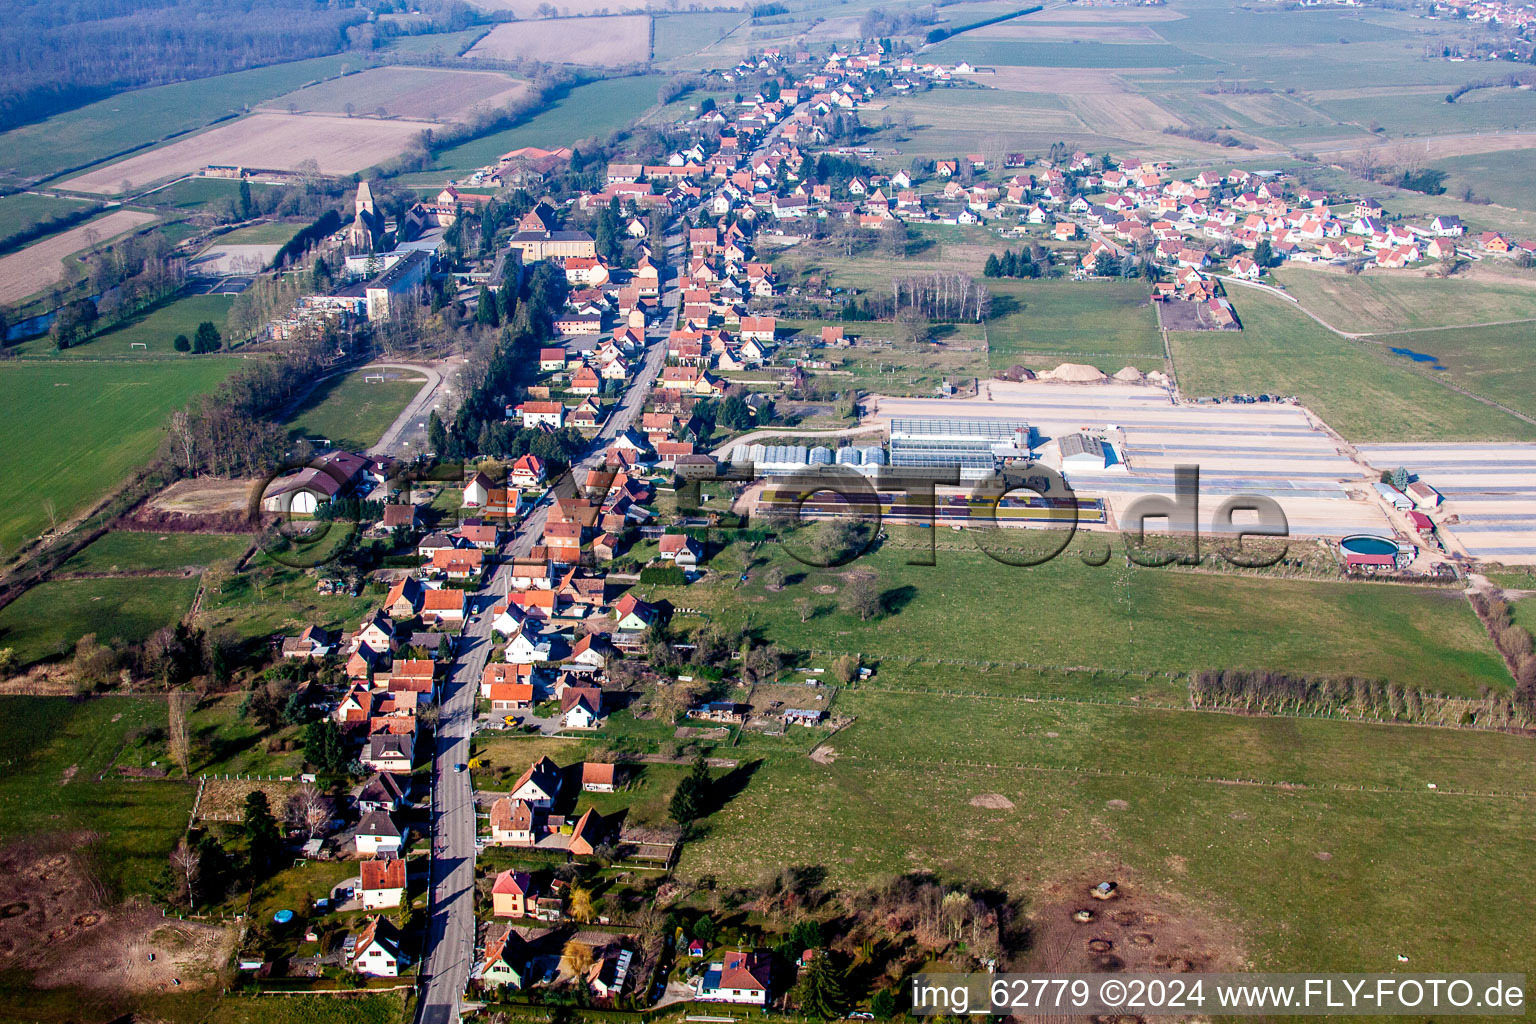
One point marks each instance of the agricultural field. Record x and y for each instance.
(1008, 52)
(874, 269)
(124, 551)
(23, 210)
(1494, 362)
(587, 111)
(1043, 323)
(268, 598)
(531, 10)
(40, 265)
(1375, 301)
(1045, 799)
(1502, 176)
(266, 233)
(1357, 388)
(195, 192)
(350, 412)
(420, 94)
(676, 36)
(142, 117)
(45, 622)
(593, 42)
(88, 425)
(1136, 620)
(382, 1008)
(59, 748)
(339, 145)
(156, 329)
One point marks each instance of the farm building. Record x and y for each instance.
(972, 445)
(1083, 451)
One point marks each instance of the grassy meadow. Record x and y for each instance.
(135, 551)
(587, 111)
(24, 209)
(351, 413)
(1494, 362)
(155, 328)
(1358, 389)
(1372, 302)
(55, 749)
(87, 425)
(1280, 866)
(46, 620)
(1066, 614)
(1108, 324)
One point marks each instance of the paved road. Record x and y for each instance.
(451, 925)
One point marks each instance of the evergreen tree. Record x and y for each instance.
(820, 988)
(182, 343)
(992, 268)
(247, 205)
(437, 434)
(207, 338)
(690, 801)
(264, 841)
(485, 310)
(883, 1005)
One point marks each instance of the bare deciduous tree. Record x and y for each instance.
(180, 741)
(186, 862)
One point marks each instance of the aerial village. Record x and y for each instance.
(570, 634)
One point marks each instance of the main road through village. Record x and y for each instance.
(450, 943)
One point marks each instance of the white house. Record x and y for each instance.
(382, 883)
(525, 647)
(739, 978)
(377, 835)
(680, 549)
(539, 785)
(377, 953)
(387, 752)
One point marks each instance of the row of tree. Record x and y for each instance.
(1280, 693)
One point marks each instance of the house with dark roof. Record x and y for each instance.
(377, 835)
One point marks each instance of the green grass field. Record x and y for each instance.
(55, 748)
(586, 111)
(1064, 613)
(1012, 52)
(1414, 114)
(156, 329)
(1490, 361)
(1122, 795)
(351, 413)
(383, 1008)
(1265, 831)
(267, 233)
(21, 211)
(1359, 389)
(131, 550)
(191, 193)
(46, 621)
(1502, 176)
(1106, 323)
(1232, 27)
(681, 34)
(268, 599)
(132, 119)
(1371, 302)
(87, 425)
